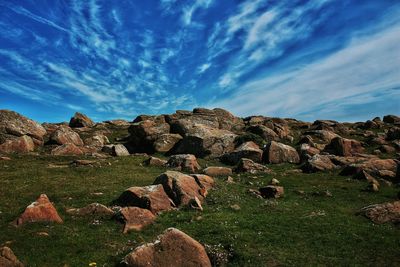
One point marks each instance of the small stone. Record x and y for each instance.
(235, 207)
(274, 181)
(272, 191)
(230, 180)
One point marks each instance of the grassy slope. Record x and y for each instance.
(261, 233)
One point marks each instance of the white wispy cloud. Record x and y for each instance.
(204, 67)
(190, 9)
(368, 65)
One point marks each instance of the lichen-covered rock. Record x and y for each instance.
(154, 161)
(143, 134)
(344, 147)
(93, 209)
(172, 248)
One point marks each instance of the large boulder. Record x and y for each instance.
(383, 213)
(80, 120)
(391, 119)
(322, 136)
(384, 168)
(166, 142)
(264, 132)
(181, 188)
(152, 197)
(65, 135)
(154, 161)
(249, 150)
(14, 124)
(136, 218)
(318, 163)
(202, 141)
(184, 162)
(22, 144)
(344, 147)
(98, 140)
(172, 248)
(8, 259)
(143, 134)
(42, 210)
(276, 153)
(67, 150)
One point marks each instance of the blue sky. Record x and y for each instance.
(316, 59)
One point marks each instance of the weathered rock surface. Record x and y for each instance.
(166, 142)
(217, 171)
(344, 147)
(247, 165)
(383, 213)
(22, 144)
(8, 259)
(80, 120)
(65, 135)
(117, 150)
(136, 218)
(249, 150)
(42, 210)
(202, 141)
(318, 163)
(67, 150)
(152, 197)
(393, 119)
(98, 140)
(172, 248)
(264, 132)
(276, 153)
(184, 162)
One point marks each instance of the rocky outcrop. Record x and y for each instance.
(172, 248)
(249, 150)
(42, 210)
(184, 162)
(13, 124)
(392, 119)
(80, 120)
(8, 259)
(152, 197)
(264, 132)
(276, 153)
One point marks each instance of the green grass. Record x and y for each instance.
(300, 230)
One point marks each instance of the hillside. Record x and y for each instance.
(255, 191)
